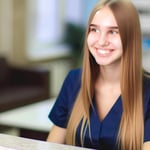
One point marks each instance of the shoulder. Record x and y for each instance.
(73, 78)
(71, 86)
(74, 74)
(62, 108)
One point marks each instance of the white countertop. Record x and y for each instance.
(33, 116)
(8, 142)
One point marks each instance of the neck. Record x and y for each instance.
(110, 74)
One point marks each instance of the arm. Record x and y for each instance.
(62, 108)
(57, 135)
(146, 145)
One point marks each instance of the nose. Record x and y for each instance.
(103, 39)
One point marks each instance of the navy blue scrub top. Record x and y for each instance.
(102, 134)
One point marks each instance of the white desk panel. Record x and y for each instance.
(33, 116)
(8, 142)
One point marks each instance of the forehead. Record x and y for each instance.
(104, 17)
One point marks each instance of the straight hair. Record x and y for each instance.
(130, 135)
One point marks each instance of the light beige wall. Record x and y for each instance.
(13, 30)
(19, 31)
(14, 17)
(6, 27)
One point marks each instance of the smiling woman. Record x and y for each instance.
(106, 104)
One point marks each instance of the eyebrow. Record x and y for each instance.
(110, 27)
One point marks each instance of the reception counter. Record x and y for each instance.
(9, 142)
(30, 121)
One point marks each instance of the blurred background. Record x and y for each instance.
(51, 33)
(47, 34)
(44, 32)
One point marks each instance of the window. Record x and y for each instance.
(44, 26)
(46, 20)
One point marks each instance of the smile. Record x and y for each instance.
(104, 52)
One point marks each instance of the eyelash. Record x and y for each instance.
(94, 29)
(113, 32)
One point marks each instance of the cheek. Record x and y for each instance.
(90, 43)
(90, 40)
(117, 43)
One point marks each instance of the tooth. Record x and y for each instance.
(103, 51)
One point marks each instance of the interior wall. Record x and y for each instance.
(19, 34)
(13, 41)
(12, 30)
(6, 28)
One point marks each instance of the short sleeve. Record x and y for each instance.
(146, 95)
(61, 110)
(147, 123)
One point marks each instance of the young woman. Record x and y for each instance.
(106, 104)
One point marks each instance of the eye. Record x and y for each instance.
(114, 32)
(93, 29)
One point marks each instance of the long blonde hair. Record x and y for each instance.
(130, 136)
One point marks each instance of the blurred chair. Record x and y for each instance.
(21, 86)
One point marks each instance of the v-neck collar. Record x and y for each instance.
(108, 127)
(114, 109)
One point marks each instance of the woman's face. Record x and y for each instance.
(104, 40)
